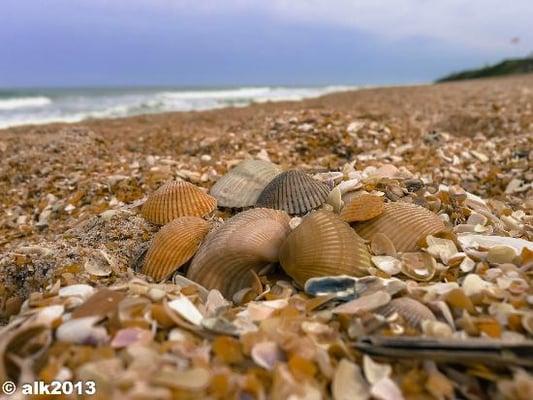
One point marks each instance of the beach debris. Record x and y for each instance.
(363, 208)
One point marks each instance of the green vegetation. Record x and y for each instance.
(506, 67)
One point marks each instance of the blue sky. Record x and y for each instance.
(243, 42)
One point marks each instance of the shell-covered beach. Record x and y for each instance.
(372, 244)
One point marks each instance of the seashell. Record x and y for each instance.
(266, 355)
(242, 185)
(173, 246)
(342, 286)
(323, 245)
(382, 246)
(386, 389)
(404, 224)
(177, 199)
(363, 208)
(501, 254)
(474, 241)
(411, 310)
(82, 331)
(334, 199)
(387, 264)
(418, 266)
(436, 328)
(294, 192)
(248, 241)
(374, 371)
(348, 382)
(364, 303)
(186, 309)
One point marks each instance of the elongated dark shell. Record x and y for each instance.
(323, 245)
(404, 224)
(411, 310)
(248, 241)
(242, 185)
(294, 192)
(177, 199)
(173, 246)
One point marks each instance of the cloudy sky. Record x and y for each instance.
(251, 42)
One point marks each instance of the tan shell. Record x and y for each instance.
(173, 246)
(411, 310)
(323, 245)
(248, 241)
(242, 185)
(294, 192)
(404, 224)
(363, 208)
(418, 266)
(177, 199)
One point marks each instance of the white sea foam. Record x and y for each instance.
(24, 102)
(75, 106)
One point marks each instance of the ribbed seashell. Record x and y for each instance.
(404, 224)
(173, 246)
(323, 245)
(177, 199)
(294, 192)
(248, 241)
(242, 185)
(411, 310)
(363, 208)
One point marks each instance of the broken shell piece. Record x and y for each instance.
(81, 290)
(100, 264)
(473, 284)
(248, 241)
(436, 329)
(404, 224)
(418, 266)
(323, 245)
(444, 249)
(242, 185)
(387, 264)
(475, 241)
(343, 287)
(501, 254)
(187, 310)
(363, 208)
(364, 303)
(266, 354)
(131, 336)
(381, 245)
(334, 199)
(177, 199)
(173, 246)
(409, 309)
(348, 382)
(294, 192)
(82, 331)
(374, 372)
(386, 389)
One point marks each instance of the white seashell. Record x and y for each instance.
(349, 185)
(82, 291)
(436, 328)
(187, 310)
(441, 248)
(266, 354)
(387, 264)
(475, 241)
(374, 372)
(467, 265)
(501, 254)
(473, 285)
(294, 222)
(386, 389)
(334, 199)
(364, 303)
(348, 382)
(82, 331)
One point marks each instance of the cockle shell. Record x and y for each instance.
(177, 199)
(294, 192)
(248, 241)
(242, 185)
(404, 224)
(411, 310)
(173, 246)
(363, 208)
(323, 245)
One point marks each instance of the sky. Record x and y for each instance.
(55, 43)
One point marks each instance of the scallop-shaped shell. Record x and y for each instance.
(242, 185)
(363, 208)
(404, 224)
(177, 199)
(173, 246)
(323, 245)
(411, 310)
(294, 192)
(248, 241)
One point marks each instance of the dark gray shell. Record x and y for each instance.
(294, 192)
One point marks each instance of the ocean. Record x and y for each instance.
(40, 106)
